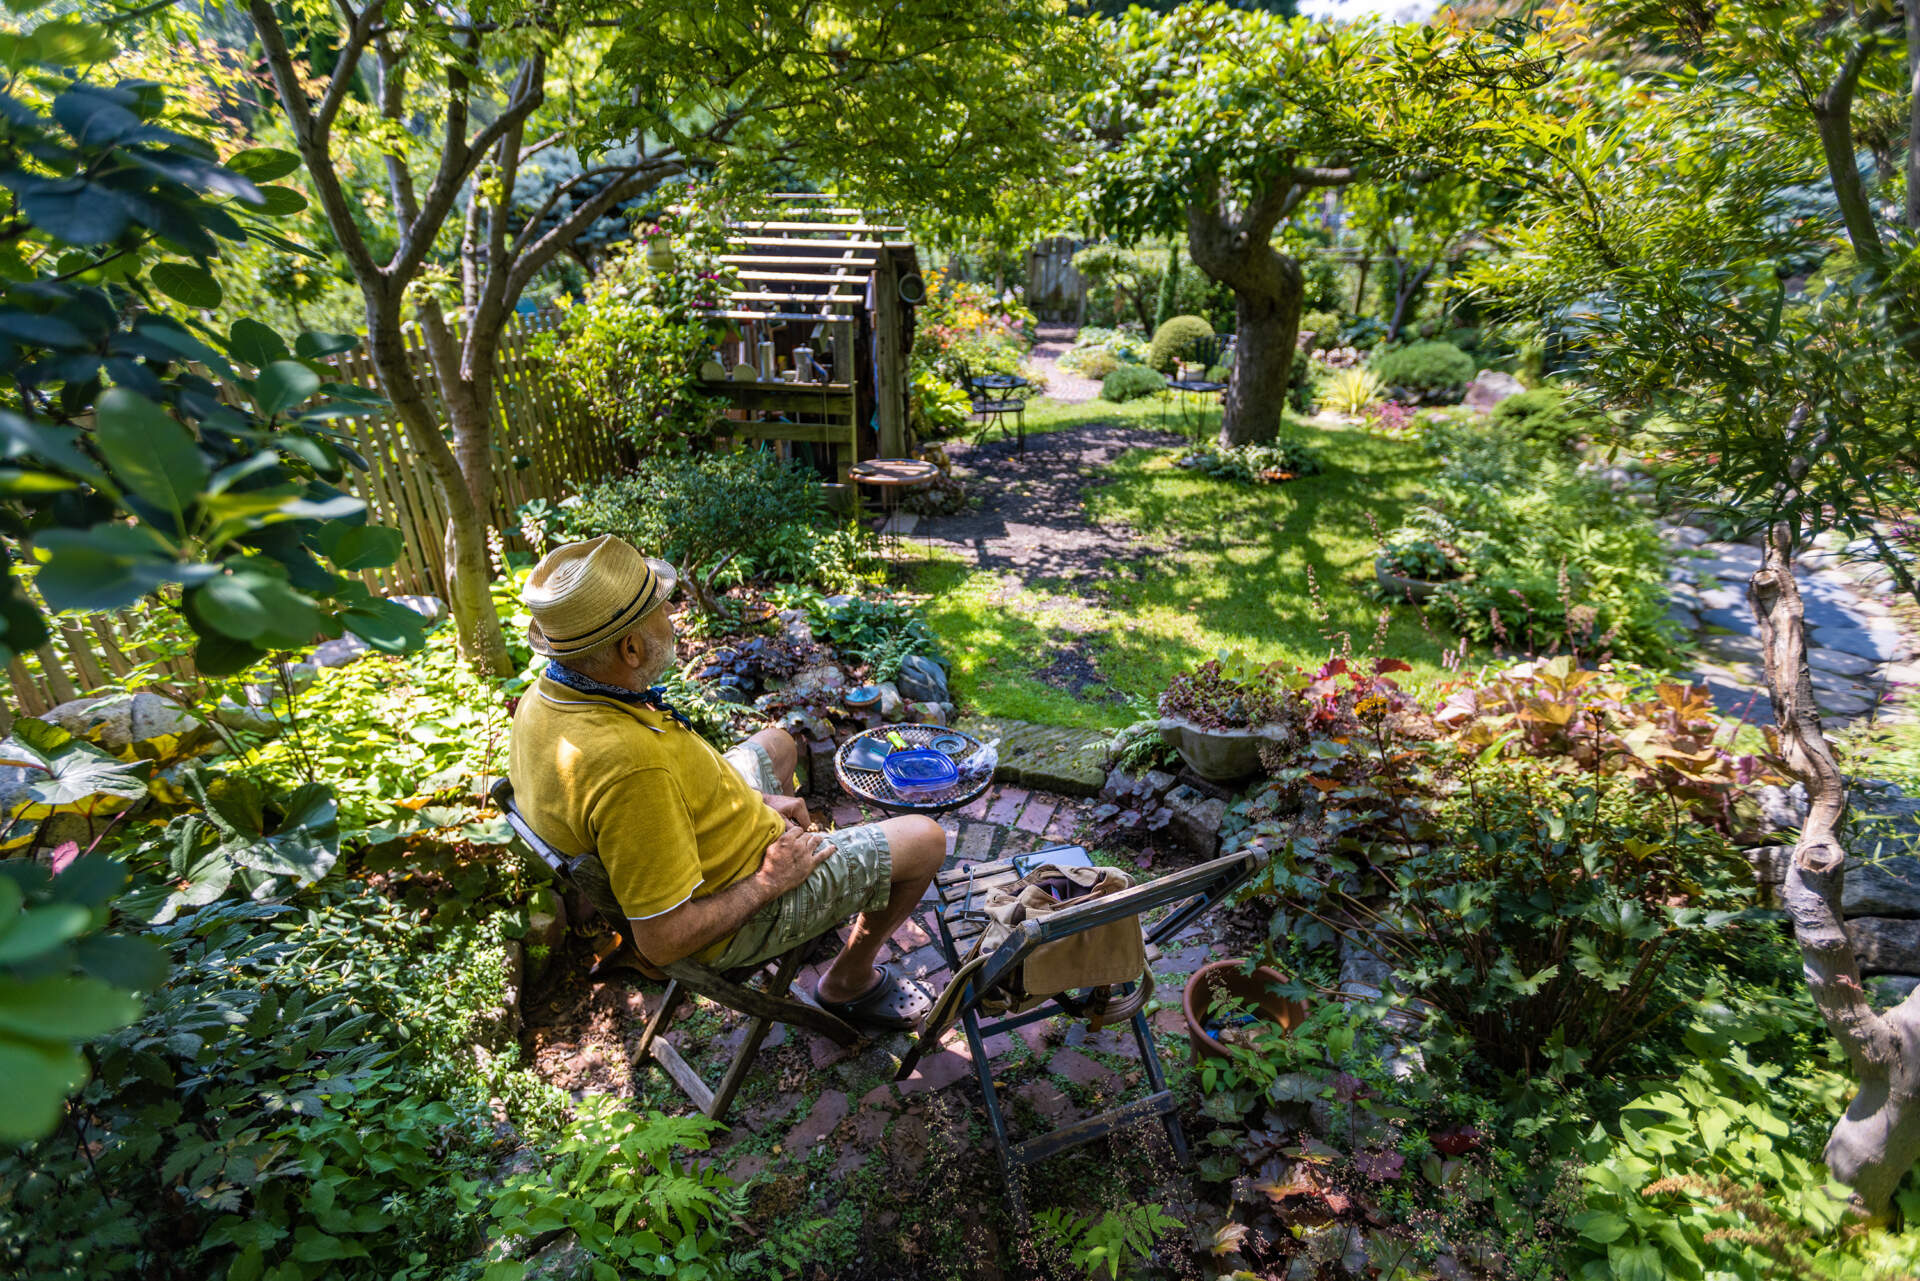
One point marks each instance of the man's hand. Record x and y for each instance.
(790, 808)
(792, 857)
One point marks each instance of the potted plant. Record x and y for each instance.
(1223, 995)
(1420, 557)
(1219, 715)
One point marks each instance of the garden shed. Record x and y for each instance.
(838, 287)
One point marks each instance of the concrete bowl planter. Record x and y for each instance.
(1400, 587)
(1218, 755)
(1219, 982)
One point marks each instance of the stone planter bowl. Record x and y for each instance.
(1220, 981)
(1400, 587)
(1218, 755)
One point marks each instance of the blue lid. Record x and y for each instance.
(920, 769)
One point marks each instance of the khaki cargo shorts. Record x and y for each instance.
(856, 877)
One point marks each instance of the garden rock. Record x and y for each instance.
(820, 681)
(1197, 817)
(428, 607)
(891, 704)
(1891, 989)
(1886, 945)
(1886, 887)
(338, 653)
(243, 719)
(1839, 662)
(147, 723)
(1783, 808)
(922, 680)
(1488, 388)
(14, 781)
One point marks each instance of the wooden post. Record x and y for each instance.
(890, 364)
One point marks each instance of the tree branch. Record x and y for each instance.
(313, 143)
(460, 157)
(1833, 116)
(528, 263)
(359, 34)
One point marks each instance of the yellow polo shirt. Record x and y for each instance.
(664, 811)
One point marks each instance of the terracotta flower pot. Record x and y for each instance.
(1218, 755)
(1220, 981)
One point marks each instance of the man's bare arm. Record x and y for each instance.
(678, 934)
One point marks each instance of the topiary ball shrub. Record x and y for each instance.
(1425, 371)
(1130, 382)
(1324, 326)
(1172, 340)
(1544, 416)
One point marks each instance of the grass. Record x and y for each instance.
(1236, 577)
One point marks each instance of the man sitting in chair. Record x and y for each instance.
(708, 854)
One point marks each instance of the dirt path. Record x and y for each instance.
(1032, 519)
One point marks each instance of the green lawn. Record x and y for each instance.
(1238, 578)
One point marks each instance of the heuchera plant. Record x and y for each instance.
(1228, 692)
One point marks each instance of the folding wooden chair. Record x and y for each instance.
(767, 1006)
(1196, 891)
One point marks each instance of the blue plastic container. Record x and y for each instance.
(920, 771)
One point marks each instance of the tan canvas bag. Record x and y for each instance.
(1099, 959)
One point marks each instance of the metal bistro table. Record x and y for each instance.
(891, 476)
(870, 786)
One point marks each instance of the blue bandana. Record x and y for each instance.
(656, 698)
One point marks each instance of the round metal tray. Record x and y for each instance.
(871, 787)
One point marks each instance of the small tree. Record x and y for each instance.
(1220, 124)
(905, 102)
(1678, 240)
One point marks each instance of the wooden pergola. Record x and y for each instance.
(823, 276)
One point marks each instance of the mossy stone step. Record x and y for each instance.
(1047, 758)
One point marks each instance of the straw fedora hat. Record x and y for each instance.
(586, 594)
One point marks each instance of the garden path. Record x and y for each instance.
(1031, 520)
(1861, 651)
(1063, 385)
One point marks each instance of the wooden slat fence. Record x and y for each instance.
(537, 418)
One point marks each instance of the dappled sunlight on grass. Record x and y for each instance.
(1222, 566)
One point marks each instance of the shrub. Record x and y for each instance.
(1267, 464)
(1350, 391)
(1130, 382)
(1465, 337)
(633, 345)
(712, 515)
(1560, 559)
(879, 632)
(1390, 418)
(1320, 329)
(1090, 362)
(1544, 416)
(1173, 340)
(1423, 547)
(1425, 371)
(936, 408)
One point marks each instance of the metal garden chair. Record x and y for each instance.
(1191, 893)
(990, 408)
(1203, 354)
(768, 1005)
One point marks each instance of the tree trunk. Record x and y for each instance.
(1404, 292)
(1878, 1140)
(1262, 364)
(476, 625)
(1268, 291)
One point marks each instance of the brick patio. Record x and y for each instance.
(807, 1094)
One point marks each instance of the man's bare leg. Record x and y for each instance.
(785, 753)
(918, 847)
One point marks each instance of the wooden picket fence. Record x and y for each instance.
(547, 444)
